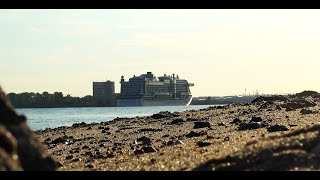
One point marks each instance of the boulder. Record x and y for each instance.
(19, 147)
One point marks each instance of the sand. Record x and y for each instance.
(254, 136)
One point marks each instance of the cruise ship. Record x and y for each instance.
(149, 90)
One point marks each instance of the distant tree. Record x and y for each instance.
(208, 100)
(36, 100)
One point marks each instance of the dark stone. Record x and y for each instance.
(149, 129)
(221, 124)
(69, 157)
(89, 128)
(178, 142)
(59, 140)
(161, 115)
(101, 145)
(292, 125)
(85, 147)
(306, 111)
(289, 109)
(226, 138)
(256, 119)
(250, 126)
(117, 144)
(79, 124)
(149, 149)
(105, 123)
(89, 153)
(201, 124)
(276, 128)
(110, 154)
(270, 99)
(90, 166)
(236, 121)
(192, 119)
(306, 94)
(99, 156)
(176, 121)
(298, 103)
(166, 135)
(195, 134)
(75, 160)
(220, 107)
(203, 143)
(145, 140)
(170, 143)
(138, 151)
(103, 131)
(88, 160)
(83, 124)
(245, 112)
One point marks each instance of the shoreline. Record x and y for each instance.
(214, 138)
(41, 119)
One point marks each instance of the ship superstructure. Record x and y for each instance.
(149, 90)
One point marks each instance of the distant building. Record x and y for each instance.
(104, 93)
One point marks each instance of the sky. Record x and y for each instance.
(222, 51)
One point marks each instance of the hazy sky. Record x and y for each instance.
(223, 52)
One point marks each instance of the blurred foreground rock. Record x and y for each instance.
(19, 147)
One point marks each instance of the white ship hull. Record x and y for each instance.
(154, 102)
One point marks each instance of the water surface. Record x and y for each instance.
(41, 118)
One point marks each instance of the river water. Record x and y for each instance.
(41, 118)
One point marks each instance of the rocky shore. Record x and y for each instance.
(19, 147)
(270, 133)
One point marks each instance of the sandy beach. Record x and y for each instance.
(277, 133)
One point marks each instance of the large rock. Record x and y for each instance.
(307, 93)
(19, 147)
(270, 99)
(298, 103)
(164, 114)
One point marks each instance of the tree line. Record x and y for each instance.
(57, 99)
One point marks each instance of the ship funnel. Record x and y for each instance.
(122, 79)
(174, 87)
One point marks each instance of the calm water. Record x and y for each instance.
(41, 118)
